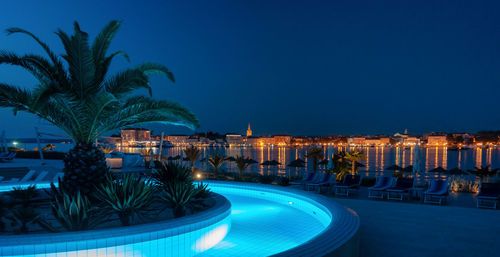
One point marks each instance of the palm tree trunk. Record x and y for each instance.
(353, 167)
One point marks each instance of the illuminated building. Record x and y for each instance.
(249, 131)
(234, 139)
(437, 140)
(135, 135)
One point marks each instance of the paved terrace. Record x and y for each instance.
(413, 229)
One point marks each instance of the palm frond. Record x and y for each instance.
(155, 69)
(127, 81)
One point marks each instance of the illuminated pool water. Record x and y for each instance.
(261, 220)
(261, 226)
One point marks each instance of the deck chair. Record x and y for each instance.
(377, 191)
(437, 192)
(488, 196)
(323, 179)
(349, 185)
(402, 189)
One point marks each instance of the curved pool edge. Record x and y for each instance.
(339, 238)
(186, 236)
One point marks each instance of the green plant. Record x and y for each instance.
(180, 196)
(266, 179)
(23, 216)
(127, 197)
(202, 191)
(167, 172)
(283, 181)
(242, 163)
(3, 212)
(354, 156)
(75, 93)
(315, 153)
(192, 153)
(216, 161)
(23, 196)
(464, 183)
(73, 212)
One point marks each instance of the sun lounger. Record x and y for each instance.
(7, 156)
(349, 185)
(378, 190)
(41, 176)
(488, 196)
(58, 176)
(28, 176)
(322, 180)
(307, 178)
(437, 192)
(402, 188)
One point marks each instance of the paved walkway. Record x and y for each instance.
(413, 229)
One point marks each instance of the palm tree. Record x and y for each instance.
(354, 156)
(316, 154)
(242, 163)
(75, 93)
(192, 153)
(216, 161)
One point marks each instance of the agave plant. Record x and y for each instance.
(75, 93)
(216, 161)
(22, 217)
(107, 149)
(180, 196)
(73, 212)
(127, 197)
(192, 153)
(168, 172)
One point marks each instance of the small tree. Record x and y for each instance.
(316, 154)
(354, 156)
(216, 161)
(242, 163)
(192, 153)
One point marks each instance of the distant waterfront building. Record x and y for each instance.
(135, 135)
(437, 140)
(408, 141)
(178, 140)
(281, 140)
(234, 139)
(356, 140)
(249, 131)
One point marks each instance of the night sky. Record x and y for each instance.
(295, 67)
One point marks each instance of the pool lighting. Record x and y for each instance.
(290, 202)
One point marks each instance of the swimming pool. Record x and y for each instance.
(272, 220)
(261, 220)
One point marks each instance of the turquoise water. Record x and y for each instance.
(262, 225)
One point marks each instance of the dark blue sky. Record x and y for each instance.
(296, 67)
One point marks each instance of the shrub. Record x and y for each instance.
(266, 179)
(180, 195)
(23, 197)
(127, 197)
(464, 183)
(166, 173)
(283, 181)
(73, 211)
(22, 217)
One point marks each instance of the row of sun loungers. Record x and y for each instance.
(396, 188)
(7, 156)
(31, 177)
